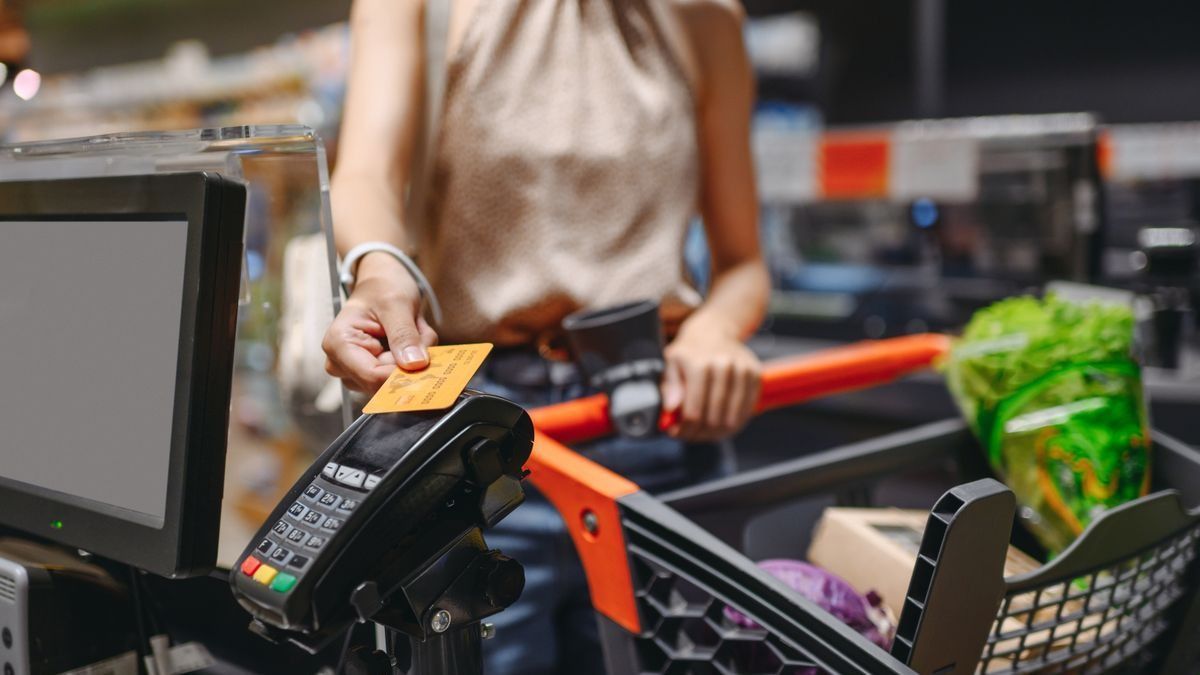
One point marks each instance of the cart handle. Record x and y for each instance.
(785, 382)
(588, 495)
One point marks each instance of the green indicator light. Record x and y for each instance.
(57, 524)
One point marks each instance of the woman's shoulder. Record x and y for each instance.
(713, 32)
(710, 25)
(707, 15)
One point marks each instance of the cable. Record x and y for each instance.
(341, 662)
(158, 623)
(143, 638)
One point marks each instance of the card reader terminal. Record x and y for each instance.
(393, 491)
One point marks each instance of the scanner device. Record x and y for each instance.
(386, 526)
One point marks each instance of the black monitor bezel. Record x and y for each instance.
(214, 208)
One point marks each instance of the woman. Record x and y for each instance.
(577, 139)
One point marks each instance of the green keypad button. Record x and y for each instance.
(283, 582)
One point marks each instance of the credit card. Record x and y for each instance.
(436, 387)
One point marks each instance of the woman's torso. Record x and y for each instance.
(567, 167)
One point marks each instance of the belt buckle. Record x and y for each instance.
(551, 345)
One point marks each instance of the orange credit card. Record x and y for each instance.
(436, 387)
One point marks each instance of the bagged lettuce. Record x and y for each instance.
(1053, 393)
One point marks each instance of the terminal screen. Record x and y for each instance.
(379, 446)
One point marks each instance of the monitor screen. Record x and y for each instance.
(89, 324)
(118, 314)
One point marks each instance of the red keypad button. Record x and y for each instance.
(250, 565)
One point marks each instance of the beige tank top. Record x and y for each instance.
(566, 168)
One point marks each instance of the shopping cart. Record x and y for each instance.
(663, 571)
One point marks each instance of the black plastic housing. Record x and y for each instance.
(214, 208)
(435, 490)
(1124, 598)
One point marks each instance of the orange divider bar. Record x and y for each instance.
(585, 495)
(785, 382)
(841, 369)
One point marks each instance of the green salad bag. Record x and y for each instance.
(1052, 391)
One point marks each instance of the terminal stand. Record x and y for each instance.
(440, 608)
(434, 596)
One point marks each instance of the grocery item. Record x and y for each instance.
(1052, 391)
(877, 549)
(831, 593)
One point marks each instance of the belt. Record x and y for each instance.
(525, 367)
(544, 362)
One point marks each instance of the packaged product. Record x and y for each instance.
(1054, 394)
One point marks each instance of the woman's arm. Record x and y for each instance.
(712, 376)
(380, 324)
(381, 118)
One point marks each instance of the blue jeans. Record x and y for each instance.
(552, 628)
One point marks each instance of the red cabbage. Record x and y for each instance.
(829, 592)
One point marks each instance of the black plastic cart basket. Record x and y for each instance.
(663, 571)
(1123, 598)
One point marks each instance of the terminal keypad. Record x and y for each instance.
(313, 519)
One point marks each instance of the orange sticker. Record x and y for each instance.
(436, 387)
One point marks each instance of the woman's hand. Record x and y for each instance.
(380, 326)
(712, 378)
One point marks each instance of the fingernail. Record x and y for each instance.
(412, 355)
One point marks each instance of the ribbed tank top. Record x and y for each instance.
(566, 168)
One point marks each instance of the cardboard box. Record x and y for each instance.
(876, 549)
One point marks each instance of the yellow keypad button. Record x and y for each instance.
(265, 574)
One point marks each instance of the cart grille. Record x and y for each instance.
(685, 630)
(1110, 620)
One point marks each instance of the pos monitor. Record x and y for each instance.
(118, 304)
